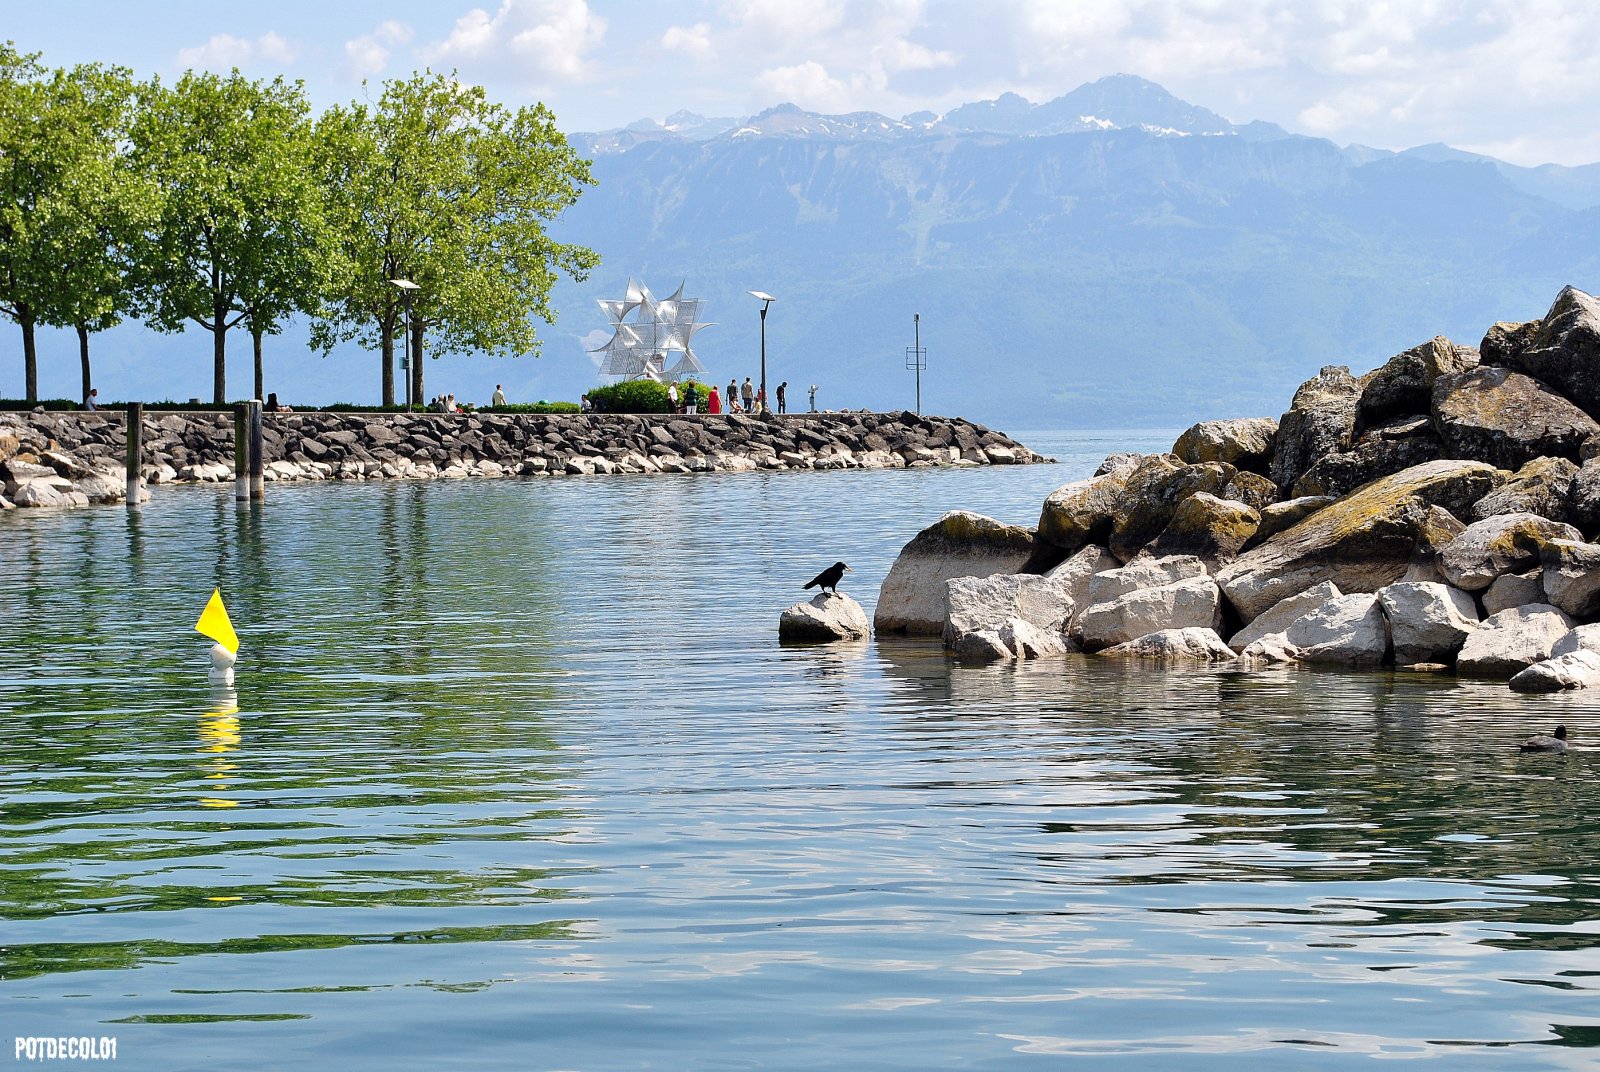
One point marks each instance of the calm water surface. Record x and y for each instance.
(518, 777)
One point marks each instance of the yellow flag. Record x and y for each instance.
(215, 623)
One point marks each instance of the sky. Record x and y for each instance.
(1515, 79)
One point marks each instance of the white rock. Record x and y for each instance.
(982, 646)
(1193, 602)
(1582, 638)
(975, 604)
(1505, 543)
(1176, 645)
(828, 616)
(1143, 573)
(1574, 670)
(1346, 630)
(1513, 640)
(1513, 590)
(1428, 622)
(1272, 648)
(960, 544)
(41, 493)
(1284, 614)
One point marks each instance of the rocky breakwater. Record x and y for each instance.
(81, 449)
(1439, 513)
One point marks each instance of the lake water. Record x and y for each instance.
(518, 777)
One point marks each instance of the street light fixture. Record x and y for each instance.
(766, 300)
(407, 288)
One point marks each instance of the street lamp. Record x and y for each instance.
(407, 288)
(766, 300)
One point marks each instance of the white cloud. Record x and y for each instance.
(369, 53)
(225, 51)
(693, 40)
(540, 39)
(807, 84)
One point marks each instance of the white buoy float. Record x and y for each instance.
(215, 623)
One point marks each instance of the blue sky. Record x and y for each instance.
(1513, 78)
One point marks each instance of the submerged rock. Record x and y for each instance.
(1175, 645)
(1179, 605)
(1345, 631)
(1513, 640)
(1573, 670)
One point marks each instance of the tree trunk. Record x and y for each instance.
(30, 355)
(255, 335)
(386, 334)
(219, 354)
(416, 359)
(83, 357)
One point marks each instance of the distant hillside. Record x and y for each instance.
(1114, 257)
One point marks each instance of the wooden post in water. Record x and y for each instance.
(258, 479)
(135, 451)
(241, 452)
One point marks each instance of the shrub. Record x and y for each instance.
(642, 396)
(536, 407)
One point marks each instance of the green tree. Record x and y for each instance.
(437, 185)
(93, 217)
(238, 224)
(28, 172)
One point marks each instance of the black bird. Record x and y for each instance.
(1543, 743)
(830, 577)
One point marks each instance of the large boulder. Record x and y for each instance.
(1012, 639)
(1286, 514)
(1362, 542)
(960, 544)
(1143, 573)
(1207, 527)
(1175, 645)
(1078, 571)
(1512, 640)
(1282, 615)
(1321, 420)
(1404, 384)
(1180, 605)
(1345, 631)
(1562, 350)
(1244, 443)
(976, 604)
(1340, 473)
(1081, 513)
(1571, 577)
(1161, 483)
(1514, 590)
(827, 617)
(1543, 487)
(1581, 638)
(1507, 543)
(1507, 419)
(1428, 623)
(1583, 497)
(1574, 670)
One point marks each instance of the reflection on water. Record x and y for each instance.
(517, 770)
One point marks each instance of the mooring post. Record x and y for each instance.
(135, 452)
(241, 452)
(258, 469)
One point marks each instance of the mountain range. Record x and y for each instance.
(1113, 257)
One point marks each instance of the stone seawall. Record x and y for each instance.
(68, 458)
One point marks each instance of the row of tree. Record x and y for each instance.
(224, 202)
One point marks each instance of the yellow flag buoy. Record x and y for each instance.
(215, 623)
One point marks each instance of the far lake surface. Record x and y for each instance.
(518, 777)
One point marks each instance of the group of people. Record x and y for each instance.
(444, 404)
(739, 398)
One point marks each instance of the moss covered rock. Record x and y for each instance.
(1496, 546)
(1507, 419)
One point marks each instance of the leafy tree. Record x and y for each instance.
(27, 175)
(238, 223)
(437, 185)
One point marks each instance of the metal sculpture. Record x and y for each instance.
(641, 348)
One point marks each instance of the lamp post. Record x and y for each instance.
(766, 300)
(407, 288)
(916, 356)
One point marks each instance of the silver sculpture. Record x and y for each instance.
(641, 348)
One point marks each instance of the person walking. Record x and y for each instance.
(783, 401)
(813, 398)
(748, 392)
(499, 398)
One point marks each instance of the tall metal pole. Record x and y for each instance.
(916, 335)
(763, 356)
(410, 402)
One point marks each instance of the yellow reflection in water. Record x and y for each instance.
(219, 735)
